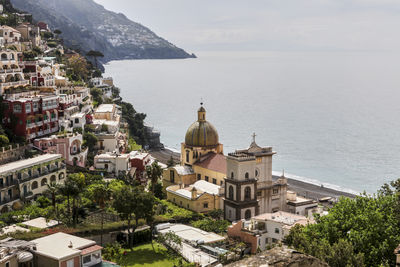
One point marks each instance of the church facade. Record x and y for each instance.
(202, 168)
(249, 188)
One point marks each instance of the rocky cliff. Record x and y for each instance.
(89, 26)
(279, 257)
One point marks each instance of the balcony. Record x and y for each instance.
(30, 125)
(40, 133)
(11, 71)
(39, 123)
(8, 199)
(46, 131)
(43, 173)
(54, 129)
(10, 84)
(31, 136)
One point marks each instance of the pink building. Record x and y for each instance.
(69, 146)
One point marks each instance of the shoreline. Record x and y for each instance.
(302, 188)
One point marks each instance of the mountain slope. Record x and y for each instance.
(88, 26)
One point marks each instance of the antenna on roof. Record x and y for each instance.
(254, 137)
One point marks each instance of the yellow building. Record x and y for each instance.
(201, 196)
(202, 159)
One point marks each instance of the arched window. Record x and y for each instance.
(43, 182)
(247, 214)
(230, 192)
(53, 179)
(232, 175)
(246, 175)
(61, 176)
(256, 173)
(34, 185)
(247, 193)
(187, 155)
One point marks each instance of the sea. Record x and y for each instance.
(332, 117)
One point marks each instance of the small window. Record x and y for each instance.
(17, 108)
(275, 191)
(187, 205)
(232, 176)
(231, 192)
(172, 176)
(247, 193)
(276, 230)
(214, 181)
(198, 177)
(259, 193)
(274, 240)
(70, 263)
(87, 259)
(266, 240)
(222, 182)
(256, 173)
(206, 178)
(205, 205)
(246, 175)
(7, 264)
(247, 214)
(76, 120)
(180, 203)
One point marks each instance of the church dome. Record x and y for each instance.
(201, 133)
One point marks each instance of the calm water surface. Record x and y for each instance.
(332, 117)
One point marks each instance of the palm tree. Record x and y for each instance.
(100, 194)
(154, 172)
(71, 190)
(52, 190)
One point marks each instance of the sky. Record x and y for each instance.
(262, 25)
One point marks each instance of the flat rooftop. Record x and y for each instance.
(281, 217)
(190, 233)
(103, 108)
(57, 246)
(41, 223)
(26, 163)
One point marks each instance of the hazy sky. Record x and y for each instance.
(269, 24)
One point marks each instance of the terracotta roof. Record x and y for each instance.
(214, 162)
(91, 249)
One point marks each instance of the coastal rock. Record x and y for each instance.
(86, 25)
(279, 257)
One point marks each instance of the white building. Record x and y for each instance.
(78, 120)
(249, 189)
(62, 249)
(300, 205)
(266, 229)
(113, 163)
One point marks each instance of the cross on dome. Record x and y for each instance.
(254, 137)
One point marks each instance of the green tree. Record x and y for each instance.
(154, 172)
(52, 190)
(357, 232)
(4, 140)
(101, 194)
(133, 203)
(89, 140)
(171, 162)
(94, 54)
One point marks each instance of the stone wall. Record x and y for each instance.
(279, 257)
(9, 154)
